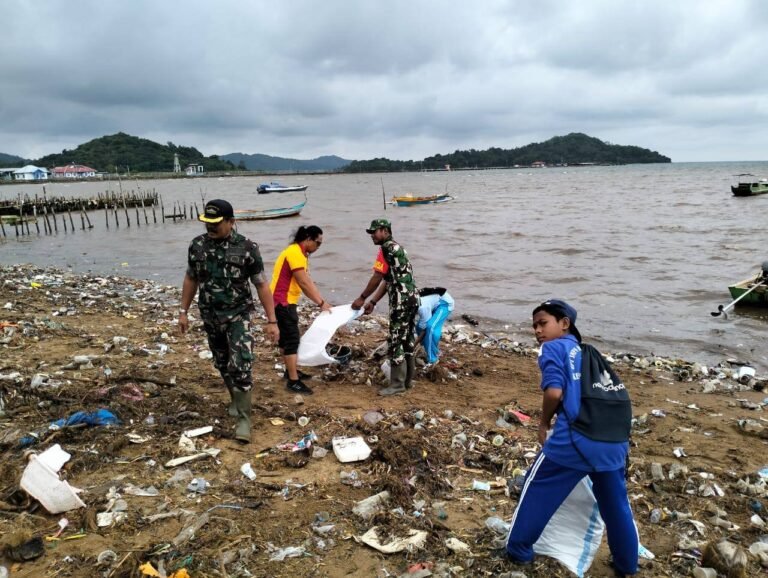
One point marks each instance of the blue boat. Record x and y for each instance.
(263, 214)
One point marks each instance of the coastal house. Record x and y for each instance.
(6, 174)
(193, 170)
(73, 171)
(30, 173)
(538, 164)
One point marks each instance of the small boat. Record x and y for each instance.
(275, 187)
(752, 291)
(263, 214)
(749, 188)
(410, 200)
(14, 220)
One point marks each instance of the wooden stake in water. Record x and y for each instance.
(106, 215)
(55, 224)
(45, 214)
(2, 226)
(34, 212)
(71, 222)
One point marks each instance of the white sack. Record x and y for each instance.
(41, 481)
(574, 533)
(313, 342)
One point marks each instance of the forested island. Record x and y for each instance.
(121, 153)
(572, 149)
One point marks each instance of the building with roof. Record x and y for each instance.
(73, 171)
(30, 173)
(194, 169)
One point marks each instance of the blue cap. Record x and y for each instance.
(566, 310)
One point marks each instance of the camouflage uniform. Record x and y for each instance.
(223, 269)
(403, 301)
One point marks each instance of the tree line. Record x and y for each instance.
(571, 149)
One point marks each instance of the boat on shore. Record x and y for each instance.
(749, 187)
(410, 200)
(275, 187)
(264, 214)
(752, 291)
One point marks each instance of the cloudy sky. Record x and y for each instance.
(402, 79)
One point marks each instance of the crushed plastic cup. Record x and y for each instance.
(498, 440)
(247, 471)
(303, 421)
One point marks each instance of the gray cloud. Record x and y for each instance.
(399, 79)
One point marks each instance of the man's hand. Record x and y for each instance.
(358, 303)
(543, 431)
(183, 323)
(369, 307)
(326, 306)
(272, 331)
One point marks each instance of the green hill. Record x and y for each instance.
(572, 149)
(121, 152)
(11, 161)
(260, 162)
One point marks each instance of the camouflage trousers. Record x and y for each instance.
(401, 340)
(232, 346)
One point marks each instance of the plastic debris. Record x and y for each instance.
(368, 507)
(198, 486)
(289, 552)
(41, 481)
(415, 540)
(247, 471)
(304, 443)
(208, 453)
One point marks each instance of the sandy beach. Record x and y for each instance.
(74, 343)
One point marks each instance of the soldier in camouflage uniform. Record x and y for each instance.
(221, 263)
(392, 273)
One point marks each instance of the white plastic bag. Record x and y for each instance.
(574, 533)
(313, 342)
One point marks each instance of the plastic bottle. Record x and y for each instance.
(481, 486)
(655, 516)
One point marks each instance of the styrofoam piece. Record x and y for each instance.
(193, 433)
(350, 449)
(41, 481)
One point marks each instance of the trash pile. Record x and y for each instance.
(118, 456)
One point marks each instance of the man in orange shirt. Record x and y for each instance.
(290, 278)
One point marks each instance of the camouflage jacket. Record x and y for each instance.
(399, 277)
(223, 269)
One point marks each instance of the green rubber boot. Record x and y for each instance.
(242, 401)
(396, 380)
(410, 371)
(231, 410)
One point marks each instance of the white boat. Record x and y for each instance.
(275, 187)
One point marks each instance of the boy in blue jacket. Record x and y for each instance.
(567, 455)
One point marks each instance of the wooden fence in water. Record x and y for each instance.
(48, 211)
